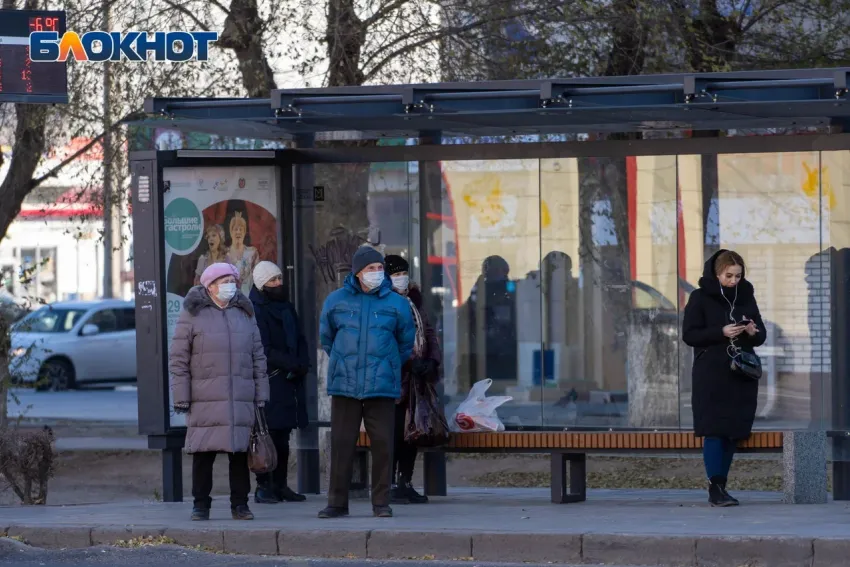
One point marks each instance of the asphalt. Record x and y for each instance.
(652, 528)
(107, 405)
(14, 554)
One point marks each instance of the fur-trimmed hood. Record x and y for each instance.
(198, 298)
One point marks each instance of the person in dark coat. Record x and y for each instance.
(425, 365)
(720, 316)
(288, 364)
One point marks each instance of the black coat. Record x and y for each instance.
(724, 404)
(286, 351)
(432, 348)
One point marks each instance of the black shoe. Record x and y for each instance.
(729, 496)
(333, 512)
(414, 497)
(266, 495)
(200, 514)
(398, 495)
(717, 496)
(382, 511)
(286, 494)
(241, 513)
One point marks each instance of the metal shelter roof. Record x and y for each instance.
(713, 101)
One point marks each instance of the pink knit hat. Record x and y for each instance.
(216, 271)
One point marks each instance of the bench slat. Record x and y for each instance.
(669, 440)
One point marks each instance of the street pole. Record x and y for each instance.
(108, 224)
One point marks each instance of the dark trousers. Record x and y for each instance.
(718, 452)
(202, 479)
(378, 416)
(277, 478)
(404, 454)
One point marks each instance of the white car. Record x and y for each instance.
(74, 343)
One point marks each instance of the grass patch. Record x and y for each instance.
(648, 473)
(146, 541)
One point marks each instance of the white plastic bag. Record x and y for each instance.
(478, 412)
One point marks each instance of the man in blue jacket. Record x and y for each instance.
(368, 332)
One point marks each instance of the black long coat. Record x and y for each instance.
(432, 348)
(286, 351)
(724, 404)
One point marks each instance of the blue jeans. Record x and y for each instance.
(718, 453)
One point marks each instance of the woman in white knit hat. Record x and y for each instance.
(288, 364)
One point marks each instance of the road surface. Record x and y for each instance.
(13, 554)
(113, 405)
(121, 405)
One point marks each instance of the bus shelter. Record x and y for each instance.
(556, 228)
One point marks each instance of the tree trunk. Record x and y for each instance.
(628, 40)
(29, 147)
(345, 37)
(243, 33)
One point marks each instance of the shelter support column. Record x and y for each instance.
(835, 184)
(300, 180)
(151, 345)
(430, 199)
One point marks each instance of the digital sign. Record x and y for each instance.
(21, 80)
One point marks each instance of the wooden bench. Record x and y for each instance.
(569, 451)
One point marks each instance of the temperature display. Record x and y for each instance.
(21, 80)
(44, 23)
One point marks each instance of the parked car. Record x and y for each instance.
(75, 343)
(13, 309)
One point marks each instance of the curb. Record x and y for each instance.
(592, 548)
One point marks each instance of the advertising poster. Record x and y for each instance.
(215, 215)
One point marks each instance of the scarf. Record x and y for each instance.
(419, 342)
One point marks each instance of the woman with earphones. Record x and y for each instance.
(722, 322)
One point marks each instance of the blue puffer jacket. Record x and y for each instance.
(368, 336)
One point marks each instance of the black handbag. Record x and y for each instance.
(744, 364)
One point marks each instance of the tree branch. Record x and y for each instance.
(93, 142)
(188, 12)
(763, 14)
(437, 36)
(382, 12)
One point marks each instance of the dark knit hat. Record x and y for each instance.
(364, 256)
(394, 264)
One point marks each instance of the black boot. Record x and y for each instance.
(732, 498)
(286, 494)
(398, 494)
(266, 494)
(241, 513)
(412, 496)
(717, 496)
(200, 514)
(403, 493)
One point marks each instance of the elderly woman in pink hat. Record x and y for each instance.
(218, 370)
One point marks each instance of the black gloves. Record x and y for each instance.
(298, 372)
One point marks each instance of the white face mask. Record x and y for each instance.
(372, 280)
(226, 291)
(400, 283)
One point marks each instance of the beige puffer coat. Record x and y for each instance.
(217, 364)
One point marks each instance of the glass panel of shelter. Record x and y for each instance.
(609, 246)
(483, 247)
(774, 209)
(363, 204)
(564, 280)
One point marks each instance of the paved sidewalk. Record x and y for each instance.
(668, 528)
